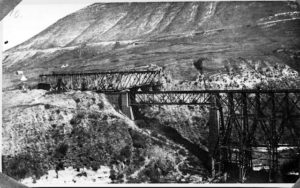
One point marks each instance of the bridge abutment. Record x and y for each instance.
(125, 106)
(120, 101)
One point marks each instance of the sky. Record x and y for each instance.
(30, 17)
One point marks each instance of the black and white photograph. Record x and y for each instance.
(188, 93)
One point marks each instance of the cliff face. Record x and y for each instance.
(173, 35)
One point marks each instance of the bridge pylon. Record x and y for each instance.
(213, 137)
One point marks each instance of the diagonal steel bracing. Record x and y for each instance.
(103, 81)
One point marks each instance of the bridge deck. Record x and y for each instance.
(204, 97)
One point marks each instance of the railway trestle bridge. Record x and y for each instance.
(239, 120)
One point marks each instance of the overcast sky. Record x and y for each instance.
(32, 16)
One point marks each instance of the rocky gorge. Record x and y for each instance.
(46, 135)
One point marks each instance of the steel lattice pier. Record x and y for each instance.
(241, 116)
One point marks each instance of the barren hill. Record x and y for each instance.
(173, 35)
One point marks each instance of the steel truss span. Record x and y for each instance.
(105, 81)
(245, 119)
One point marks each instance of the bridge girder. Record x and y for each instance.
(103, 81)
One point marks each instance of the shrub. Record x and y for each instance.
(95, 165)
(141, 124)
(25, 165)
(57, 111)
(162, 159)
(153, 173)
(47, 106)
(125, 154)
(61, 150)
(80, 115)
(138, 140)
(101, 105)
(94, 115)
(77, 119)
(73, 121)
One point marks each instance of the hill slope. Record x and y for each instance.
(172, 35)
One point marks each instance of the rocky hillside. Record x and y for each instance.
(172, 35)
(79, 137)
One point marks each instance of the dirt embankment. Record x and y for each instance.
(43, 132)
